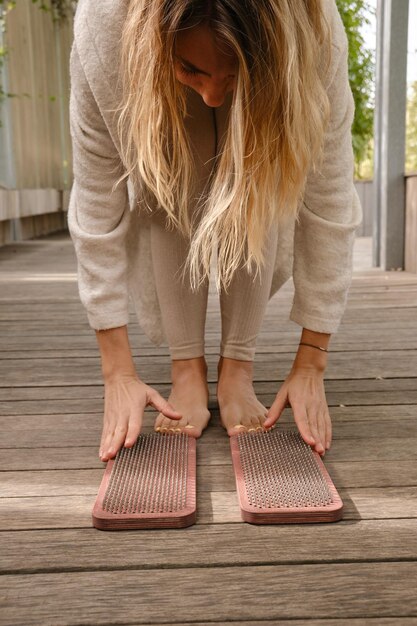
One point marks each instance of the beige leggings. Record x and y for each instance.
(184, 311)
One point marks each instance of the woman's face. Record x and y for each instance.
(204, 64)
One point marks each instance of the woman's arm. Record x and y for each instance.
(322, 271)
(98, 221)
(329, 215)
(98, 217)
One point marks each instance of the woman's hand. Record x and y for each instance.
(125, 398)
(303, 390)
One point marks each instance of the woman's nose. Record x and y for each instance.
(213, 98)
(214, 94)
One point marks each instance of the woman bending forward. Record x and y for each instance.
(201, 127)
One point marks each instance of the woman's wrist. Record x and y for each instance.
(312, 351)
(306, 359)
(116, 356)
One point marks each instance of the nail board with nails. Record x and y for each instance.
(280, 479)
(150, 485)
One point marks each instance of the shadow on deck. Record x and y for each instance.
(57, 569)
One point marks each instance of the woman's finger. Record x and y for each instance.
(300, 417)
(162, 405)
(118, 436)
(313, 420)
(135, 425)
(276, 408)
(321, 422)
(117, 419)
(108, 428)
(314, 415)
(328, 422)
(109, 417)
(105, 444)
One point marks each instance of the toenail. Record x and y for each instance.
(158, 428)
(251, 429)
(189, 426)
(239, 426)
(177, 429)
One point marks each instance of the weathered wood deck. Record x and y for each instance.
(58, 569)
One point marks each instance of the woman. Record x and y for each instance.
(228, 122)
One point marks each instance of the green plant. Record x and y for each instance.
(59, 9)
(354, 14)
(5, 7)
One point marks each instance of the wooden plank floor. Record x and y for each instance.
(57, 569)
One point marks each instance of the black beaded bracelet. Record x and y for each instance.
(302, 343)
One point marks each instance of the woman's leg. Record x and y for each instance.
(183, 311)
(183, 317)
(242, 312)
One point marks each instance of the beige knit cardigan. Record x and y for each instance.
(112, 238)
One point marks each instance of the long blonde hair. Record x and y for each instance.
(276, 125)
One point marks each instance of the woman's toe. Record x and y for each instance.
(236, 429)
(247, 422)
(192, 430)
(166, 424)
(158, 422)
(256, 423)
(178, 425)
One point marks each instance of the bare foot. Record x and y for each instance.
(189, 395)
(240, 410)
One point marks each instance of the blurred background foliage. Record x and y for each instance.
(355, 14)
(411, 129)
